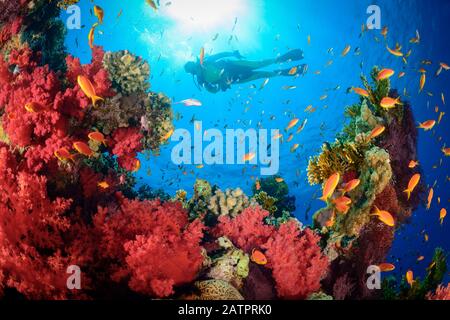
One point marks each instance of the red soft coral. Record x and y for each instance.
(152, 243)
(296, 260)
(248, 230)
(125, 144)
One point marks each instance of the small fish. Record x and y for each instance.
(384, 31)
(289, 87)
(444, 66)
(292, 124)
(258, 257)
(152, 4)
(63, 154)
(427, 125)
(329, 186)
(384, 217)
(420, 258)
(386, 267)
(410, 277)
(202, 56)
(277, 136)
(266, 81)
(289, 139)
(279, 180)
(412, 164)
(35, 107)
(97, 137)
(361, 92)
(422, 81)
(342, 204)
(167, 135)
(99, 13)
(396, 52)
(441, 114)
(389, 103)
(88, 89)
(91, 35)
(294, 147)
(103, 185)
(430, 198)
(349, 186)
(190, 103)
(257, 185)
(309, 39)
(442, 97)
(248, 157)
(412, 184)
(442, 215)
(346, 50)
(293, 71)
(378, 130)
(401, 74)
(83, 149)
(446, 151)
(137, 166)
(200, 166)
(385, 74)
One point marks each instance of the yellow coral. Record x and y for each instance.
(216, 290)
(231, 202)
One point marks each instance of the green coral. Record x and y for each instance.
(157, 121)
(266, 202)
(376, 172)
(319, 296)
(338, 157)
(128, 72)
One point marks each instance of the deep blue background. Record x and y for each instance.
(263, 30)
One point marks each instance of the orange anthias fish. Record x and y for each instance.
(99, 13)
(427, 125)
(294, 147)
(249, 156)
(444, 66)
(412, 164)
(152, 4)
(103, 185)
(401, 74)
(396, 52)
(377, 131)
(430, 198)
(346, 50)
(384, 31)
(442, 215)
(422, 81)
(384, 217)
(91, 35)
(292, 124)
(342, 204)
(389, 103)
(293, 71)
(202, 56)
(83, 148)
(361, 92)
(351, 185)
(329, 186)
(386, 267)
(258, 257)
(412, 184)
(446, 151)
(167, 136)
(88, 89)
(97, 137)
(385, 74)
(35, 107)
(63, 154)
(137, 166)
(257, 185)
(410, 277)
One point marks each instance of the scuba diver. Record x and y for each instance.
(219, 73)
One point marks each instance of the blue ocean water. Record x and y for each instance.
(262, 29)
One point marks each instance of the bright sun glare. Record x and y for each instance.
(205, 15)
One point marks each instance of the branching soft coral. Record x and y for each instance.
(126, 143)
(296, 260)
(153, 245)
(441, 293)
(247, 230)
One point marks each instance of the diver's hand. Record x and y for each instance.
(238, 55)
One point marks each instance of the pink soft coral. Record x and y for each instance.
(247, 230)
(296, 260)
(441, 293)
(153, 244)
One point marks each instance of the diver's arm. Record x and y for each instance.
(211, 88)
(222, 55)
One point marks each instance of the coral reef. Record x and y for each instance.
(128, 73)
(215, 290)
(228, 203)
